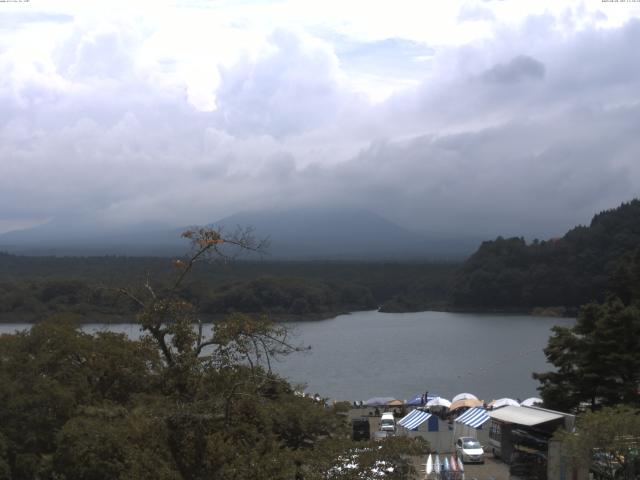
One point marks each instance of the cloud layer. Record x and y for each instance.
(528, 130)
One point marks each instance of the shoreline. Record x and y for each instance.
(100, 318)
(557, 312)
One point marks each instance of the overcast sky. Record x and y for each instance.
(488, 117)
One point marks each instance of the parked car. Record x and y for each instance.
(387, 422)
(469, 450)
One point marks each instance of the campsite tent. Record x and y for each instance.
(530, 402)
(420, 423)
(379, 401)
(467, 402)
(416, 401)
(439, 402)
(464, 396)
(414, 419)
(470, 424)
(503, 402)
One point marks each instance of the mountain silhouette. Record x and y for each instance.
(295, 234)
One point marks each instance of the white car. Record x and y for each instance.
(469, 450)
(388, 422)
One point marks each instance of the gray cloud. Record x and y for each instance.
(532, 178)
(476, 149)
(289, 91)
(518, 69)
(105, 53)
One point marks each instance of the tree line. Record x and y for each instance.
(34, 287)
(28, 300)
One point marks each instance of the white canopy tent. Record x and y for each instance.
(464, 396)
(504, 402)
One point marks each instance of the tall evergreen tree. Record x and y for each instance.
(598, 359)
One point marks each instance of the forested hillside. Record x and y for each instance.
(566, 272)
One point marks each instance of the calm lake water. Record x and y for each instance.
(367, 354)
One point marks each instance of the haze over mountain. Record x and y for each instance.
(84, 236)
(347, 234)
(313, 233)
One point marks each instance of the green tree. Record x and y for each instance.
(52, 370)
(108, 441)
(608, 440)
(598, 359)
(5, 470)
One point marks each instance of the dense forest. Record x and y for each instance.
(33, 287)
(565, 272)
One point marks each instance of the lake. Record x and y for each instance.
(367, 354)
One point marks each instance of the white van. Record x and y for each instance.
(387, 422)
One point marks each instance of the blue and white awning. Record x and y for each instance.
(474, 417)
(414, 419)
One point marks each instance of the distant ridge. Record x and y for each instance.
(319, 233)
(295, 234)
(84, 237)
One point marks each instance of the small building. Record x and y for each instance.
(521, 436)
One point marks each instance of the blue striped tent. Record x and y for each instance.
(414, 419)
(474, 417)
